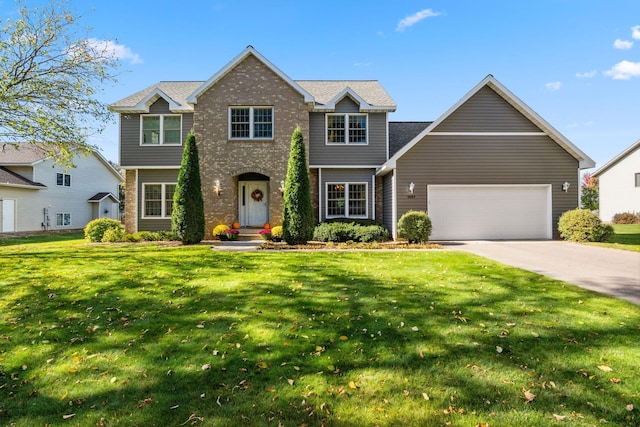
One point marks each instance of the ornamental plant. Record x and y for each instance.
(415, 226)
(582, 225)
(265, 233)
(94, 230)
(220, 231)
(232, 234)
(276, 233)
(187, 218)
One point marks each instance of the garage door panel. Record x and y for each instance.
(477, 212)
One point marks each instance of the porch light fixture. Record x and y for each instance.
(565, 186)
(216, 187)
(281, 188)
(412, 187)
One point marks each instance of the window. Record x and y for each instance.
(63, 219)
(347, 200)
(158, 200)
(161, 129)
(251, 123)
(63, 179)
(638, 179)
(346, 129)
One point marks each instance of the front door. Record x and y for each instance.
(253, 201)
(8, 216)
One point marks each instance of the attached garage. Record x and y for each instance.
(477, 212)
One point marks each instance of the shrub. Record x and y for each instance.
(131, 238)
(276, 233)
(626, 218)
(187, 218)
(339, 231)
(582, 225)
(220, 231)
(113, 235)
(415, 226)
(94, 231)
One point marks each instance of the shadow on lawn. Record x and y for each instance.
(258, 338)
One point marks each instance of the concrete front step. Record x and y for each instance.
(249, 234)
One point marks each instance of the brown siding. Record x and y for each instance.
(134, 154)
(146, 176)
(486, 111)
(439, 159)
(249, 83)
(387, 197)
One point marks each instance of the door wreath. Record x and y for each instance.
(257, 195)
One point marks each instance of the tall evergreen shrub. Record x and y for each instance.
(298, 221)
(187, 218)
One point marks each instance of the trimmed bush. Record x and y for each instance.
(582, 225)
(626, 218)
(94, 231)
(415, 226)
(339, 231)
(113, 235)
(187, 218)
(276, 233)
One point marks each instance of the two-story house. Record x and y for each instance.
(488, 151)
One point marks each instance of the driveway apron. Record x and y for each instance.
(609, 271)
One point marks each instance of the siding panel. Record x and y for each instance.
(440, 159)
(147, 176)
(387, 197)
(348, 175)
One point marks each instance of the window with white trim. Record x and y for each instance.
(346, 200)
(63, 219)
(638, 179)
(251, 123)
(346, 129)
(158, 200)
(160, 129)
(63, 179)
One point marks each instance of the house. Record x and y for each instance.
(36, 193)
(490, 167)
(619, 184)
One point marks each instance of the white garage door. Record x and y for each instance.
(484, 212)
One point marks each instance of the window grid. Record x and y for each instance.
(161, 129)
(251, 123)
(346, 128)
(348, 200)
(63, 219)
(63, 179)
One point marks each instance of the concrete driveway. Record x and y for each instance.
(609, 271)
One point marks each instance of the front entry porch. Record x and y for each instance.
(253, 200)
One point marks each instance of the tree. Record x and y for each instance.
(49, 76)
(298, 221)
(187, 217)
(590, 194)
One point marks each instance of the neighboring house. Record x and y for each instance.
(619, 184)
(490, 167)
(36, 193)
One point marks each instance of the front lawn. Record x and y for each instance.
(145, 334)
(627, 236)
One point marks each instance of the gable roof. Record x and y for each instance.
(611, 163)
(584, 161)
(193, 98)
(30, 154)
(11, 179)
(175, 93)
(98, 197)
(369, 94)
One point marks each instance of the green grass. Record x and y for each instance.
(123, 335)
(627, 236)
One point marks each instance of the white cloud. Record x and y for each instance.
(587, 75)
(624, 70)
(622, 44)
(115, 50)
(635, 32)
(415, 18)
(553, 85)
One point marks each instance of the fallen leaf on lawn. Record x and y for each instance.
(113, 380)
(529, 396)
(535, 334)
(206, 366)
(290, 381)
(499, 349)
(64, 396)
(262, 364)
(560, 417)
(615, 380)
(271, 389)
(415, 329)
(629, 407)
(426, 396)
(352, 385)
(605, 368)
(343, 338)
(379, 408)
(67, 417)
(482, 425)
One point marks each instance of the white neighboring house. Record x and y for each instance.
(619, 184)
(36, 193)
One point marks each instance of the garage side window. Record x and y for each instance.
(346, 200)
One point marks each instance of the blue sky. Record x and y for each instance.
(576, 63)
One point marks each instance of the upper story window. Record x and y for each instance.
(161, 129)
(251, 123)
(158, 200)
(638, 179)
(346, 129)
(63, 179)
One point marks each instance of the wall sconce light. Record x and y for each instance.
(565, 186)
(412, 187)
(216, 187)
(281, 188)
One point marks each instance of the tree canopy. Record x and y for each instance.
(50, 74)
